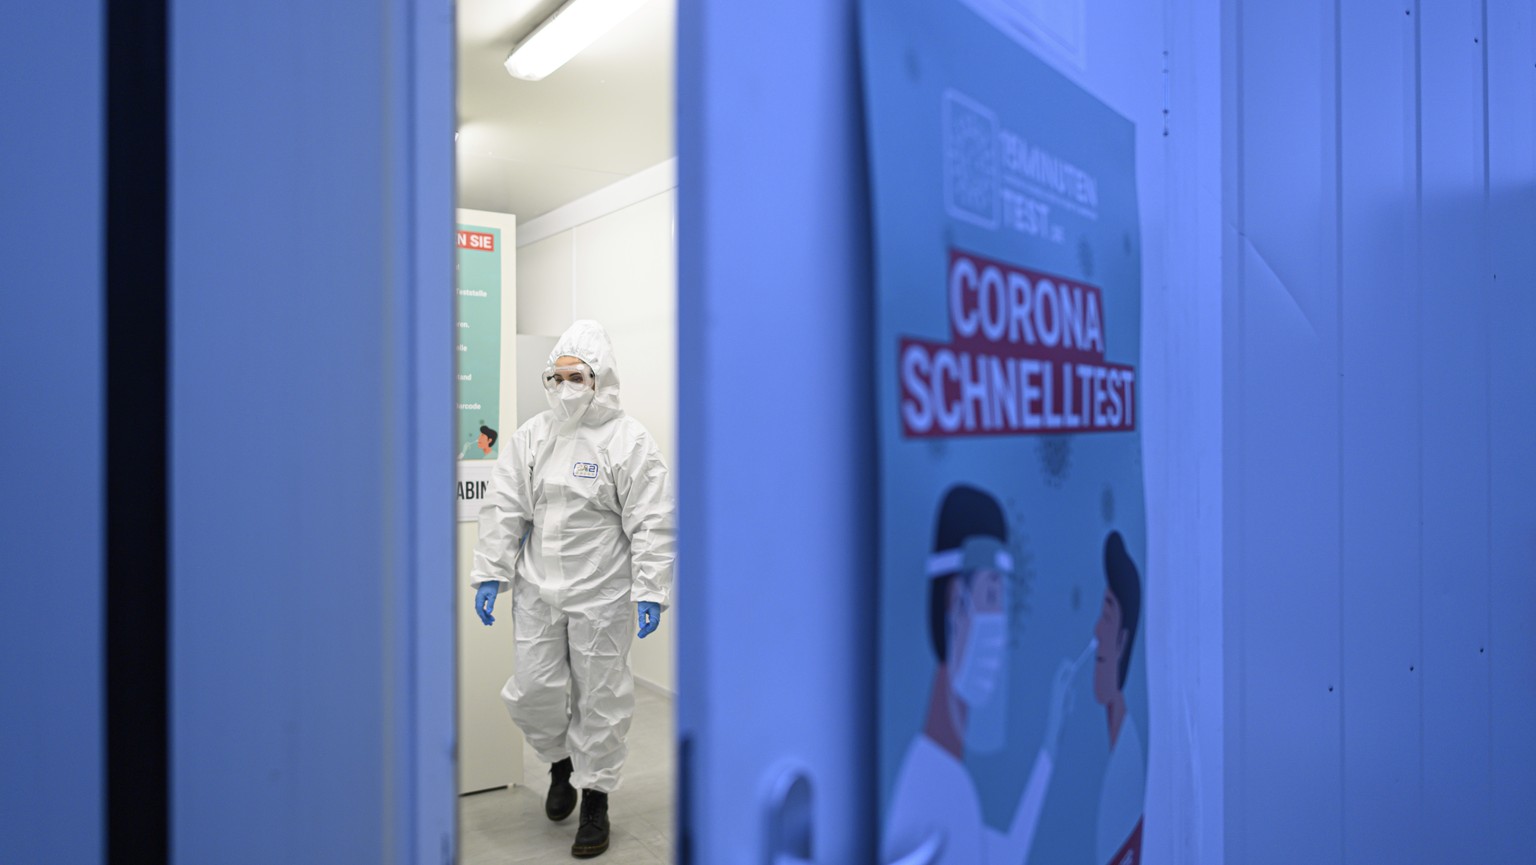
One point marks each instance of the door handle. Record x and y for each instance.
(787, 816)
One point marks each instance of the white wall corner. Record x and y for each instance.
(614, 197)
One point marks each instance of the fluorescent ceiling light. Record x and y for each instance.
(564, 34)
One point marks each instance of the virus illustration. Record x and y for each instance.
(1055, 454)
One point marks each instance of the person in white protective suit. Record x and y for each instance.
(579, 524)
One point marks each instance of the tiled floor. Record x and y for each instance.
(509, 826)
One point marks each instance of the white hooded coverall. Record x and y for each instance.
(593, 497)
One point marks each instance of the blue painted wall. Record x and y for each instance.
(51, 434)
(312, 715)
(311, 394)
(1380, 389)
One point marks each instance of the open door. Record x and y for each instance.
(776, 484)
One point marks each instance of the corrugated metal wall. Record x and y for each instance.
(1380, 432)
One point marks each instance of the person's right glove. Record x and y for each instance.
(485, 600)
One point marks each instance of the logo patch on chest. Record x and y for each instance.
(585, 470)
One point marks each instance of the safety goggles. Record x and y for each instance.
(576, 373)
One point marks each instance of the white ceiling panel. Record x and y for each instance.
(527, 147)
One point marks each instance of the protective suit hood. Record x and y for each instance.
(587, 340)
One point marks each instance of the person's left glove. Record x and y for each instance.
(485, 599)
(649, 614)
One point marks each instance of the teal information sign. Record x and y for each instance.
(1012, 527)
(479, 342)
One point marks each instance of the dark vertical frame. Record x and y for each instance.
(136, 597)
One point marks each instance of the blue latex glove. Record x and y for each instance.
(485, 600)
(649, 614)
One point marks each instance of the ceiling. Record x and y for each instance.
(527, 147)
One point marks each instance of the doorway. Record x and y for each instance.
(574, 174)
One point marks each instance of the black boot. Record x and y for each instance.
(592, 834)
(561, 800)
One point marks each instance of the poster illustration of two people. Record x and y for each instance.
(969, 575)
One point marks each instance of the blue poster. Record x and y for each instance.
(1013, 697)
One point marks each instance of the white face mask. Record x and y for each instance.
(986, 726)
(981, 659)
(569, 400)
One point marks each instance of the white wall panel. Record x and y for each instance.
(1380, 434)
(1284, 453)
(544, 286)
(1380, 175)
(625, 275)
(1511, 651)
(1453, 371)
